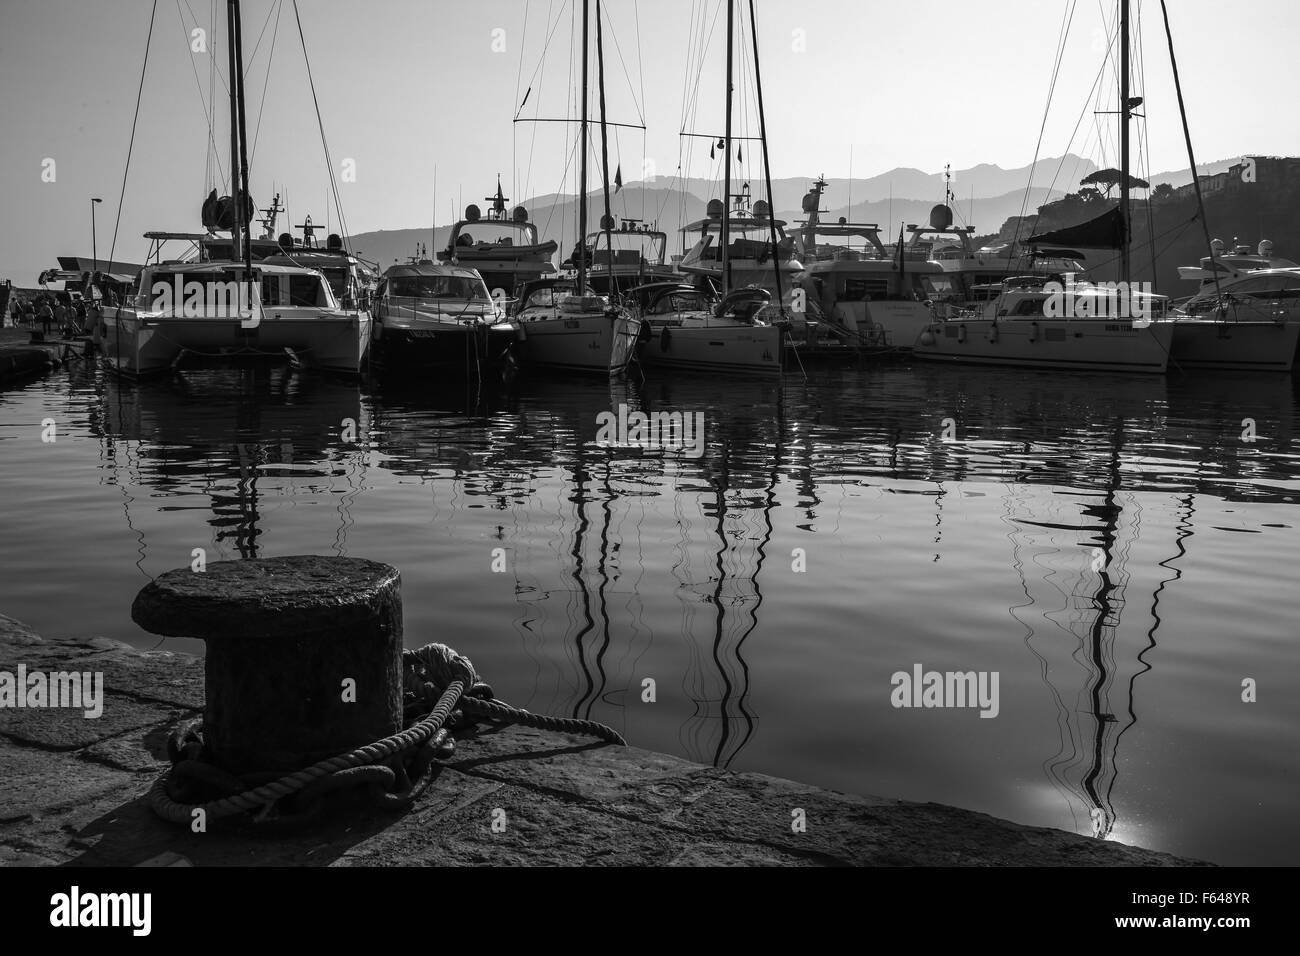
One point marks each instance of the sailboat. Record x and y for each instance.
(734, 334)
(1043, 321)
(563, 324)
(220, 304)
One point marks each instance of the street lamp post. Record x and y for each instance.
(94, 247)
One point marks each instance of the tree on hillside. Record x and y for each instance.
(1162, 192)
(1108, 179)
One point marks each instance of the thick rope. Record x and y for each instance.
(425, 670)
(504, 713)
(169, 809)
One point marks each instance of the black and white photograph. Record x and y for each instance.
(764, 434)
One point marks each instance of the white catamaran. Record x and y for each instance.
(220, 303)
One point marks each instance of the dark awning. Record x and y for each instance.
(1104, 232)
(81, 264)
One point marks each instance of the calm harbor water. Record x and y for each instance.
(1109, 545)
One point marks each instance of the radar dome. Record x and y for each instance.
(472, 213)
(1216, 246)
(810, 201)
(606, 221)
(334, 243)
(1266, 248)
(714, 209)
(520, 214)
(941, 217)
(761, 209)
(285, 241)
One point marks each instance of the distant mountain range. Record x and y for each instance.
(984, 196)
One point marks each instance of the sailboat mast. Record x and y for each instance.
(607, 220)
(767, 169)
(1124, 113)
(582, 166)
(236, 231)
(241, 199)
(725, 236)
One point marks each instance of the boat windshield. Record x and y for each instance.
(338, 280)
(681, 301)
(629, 247)
(436, 287)
(491, 233)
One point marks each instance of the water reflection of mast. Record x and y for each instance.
(1183, 532)
(579, 499)
(735, 690)
(1099, 748)
(769, 502)
(602, 569)
(1101, 642)
(720, 485)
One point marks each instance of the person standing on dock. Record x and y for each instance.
(63, 318)
(45, 315)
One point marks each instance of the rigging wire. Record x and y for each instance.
(1067, 19)
(1069, 145)
(329, 162)
(210, 147)
(139, 93)
(248, 65)
(514, 136)
(266, 83)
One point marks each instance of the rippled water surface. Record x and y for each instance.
(1110, 546)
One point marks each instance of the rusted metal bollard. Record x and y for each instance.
(304, 654)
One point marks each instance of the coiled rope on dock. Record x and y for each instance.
(390, 768)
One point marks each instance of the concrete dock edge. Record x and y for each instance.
(72, 793)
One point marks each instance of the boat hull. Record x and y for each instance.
(1245, 346)
(139, 346)
(445, 348)
(1050, 343)
(902, 321)
(590, 342)
(750, 349)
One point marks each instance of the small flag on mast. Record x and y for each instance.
(618, 178)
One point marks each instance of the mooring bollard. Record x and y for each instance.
(304, 654)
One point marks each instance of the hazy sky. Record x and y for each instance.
(407, 85)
